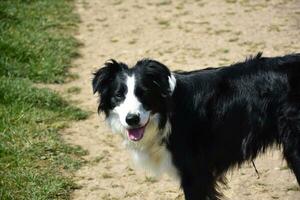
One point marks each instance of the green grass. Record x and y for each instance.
(36, 46)
(74, 90)
(35, 42)
(32, 155)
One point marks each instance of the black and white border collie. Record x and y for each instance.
(197, 125)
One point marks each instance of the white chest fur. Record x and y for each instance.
(156, 159)
(148, 153)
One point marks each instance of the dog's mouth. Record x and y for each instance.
(136, 134)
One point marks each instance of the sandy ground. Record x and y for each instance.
(183, 34)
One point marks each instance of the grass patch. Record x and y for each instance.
(74, 90)
(235, 39)
(98, 159)
(32, 156)
(164, 22)
(114, 40)
(150, 179)
(35, 42)
(36, 46)
(294, 188)
(118, 2)
(218, 32)
(164, 3)
(133, 41)
(106, 175)
(231, 1)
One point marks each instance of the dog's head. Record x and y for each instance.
(136, 101)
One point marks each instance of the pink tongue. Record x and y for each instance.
(136, 134)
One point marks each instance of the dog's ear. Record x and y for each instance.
(159, 75)
(105, 75)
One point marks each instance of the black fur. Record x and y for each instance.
(222, 117)
(106, 83)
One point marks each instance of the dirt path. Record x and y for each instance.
(183, 34)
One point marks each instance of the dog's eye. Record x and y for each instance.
(119, 95)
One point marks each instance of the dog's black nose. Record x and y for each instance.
(133, 119)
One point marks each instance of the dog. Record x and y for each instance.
(197, 125)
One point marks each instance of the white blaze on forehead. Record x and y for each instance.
(131, 104)
(130, 99)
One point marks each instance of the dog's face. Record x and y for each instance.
(136, 101)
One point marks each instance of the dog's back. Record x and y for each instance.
(225, 116)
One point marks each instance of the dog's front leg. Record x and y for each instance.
(201, 187)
